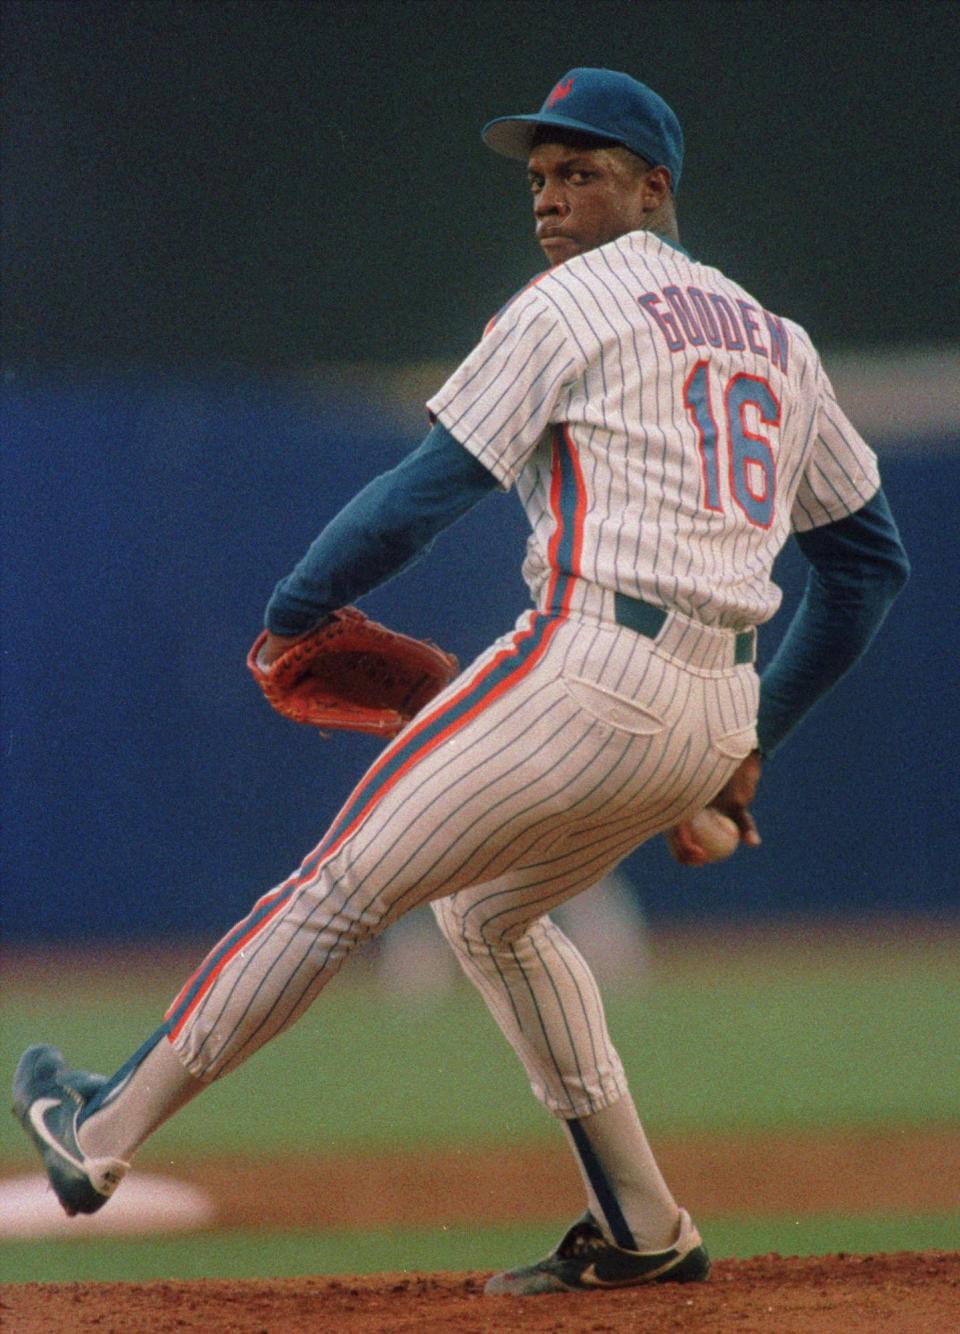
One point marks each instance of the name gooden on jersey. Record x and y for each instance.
(691, 317)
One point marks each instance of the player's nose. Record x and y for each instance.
(550, 202)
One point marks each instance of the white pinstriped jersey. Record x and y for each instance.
(649, 406)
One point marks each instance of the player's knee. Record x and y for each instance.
(465, 930)
(512, 941)
(449, 922)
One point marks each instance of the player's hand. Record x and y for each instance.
(732, 800)
(273, 646)
(735, 796)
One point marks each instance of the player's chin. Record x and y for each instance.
(559, 248)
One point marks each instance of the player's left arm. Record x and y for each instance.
(387, 526)
(488, 422)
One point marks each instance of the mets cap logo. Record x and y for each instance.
(561, 91)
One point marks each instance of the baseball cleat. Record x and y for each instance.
(47, 1099)
(584, 1261)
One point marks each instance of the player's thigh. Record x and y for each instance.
(553, 766)
(475, 787)
(677, 737)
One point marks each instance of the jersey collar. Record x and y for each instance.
(674, 245)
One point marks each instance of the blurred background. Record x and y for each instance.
(242, 242)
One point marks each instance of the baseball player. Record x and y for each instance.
(665, 434)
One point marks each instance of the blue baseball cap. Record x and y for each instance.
(602, 102)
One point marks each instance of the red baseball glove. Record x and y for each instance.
(353, 674)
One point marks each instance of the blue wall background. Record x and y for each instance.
(148, 790)
(189, 188)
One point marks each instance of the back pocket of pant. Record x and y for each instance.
(617, 711)
(736, 745)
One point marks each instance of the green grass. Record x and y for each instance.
(292, 1254)
(824, 1035)
(816, 1042)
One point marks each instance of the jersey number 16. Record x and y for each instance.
(752, 467)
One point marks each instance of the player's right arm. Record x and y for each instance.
(843, 525)
(858, 565)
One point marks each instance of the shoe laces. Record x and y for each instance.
(583, 1238)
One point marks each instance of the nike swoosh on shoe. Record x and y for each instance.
(36, 1114)
(591, 1279)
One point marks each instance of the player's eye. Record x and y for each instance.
(536, 183)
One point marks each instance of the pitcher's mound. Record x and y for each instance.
(898, 1294)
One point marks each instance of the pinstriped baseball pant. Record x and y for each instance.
(562, 748)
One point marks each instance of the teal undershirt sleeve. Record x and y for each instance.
(858, 566)
(387, 526)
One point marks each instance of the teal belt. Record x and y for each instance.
(645, 619)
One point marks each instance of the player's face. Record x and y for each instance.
(583, 198)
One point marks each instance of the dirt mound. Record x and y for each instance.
(899, 1294)
(843, 1294)
(865, 1171)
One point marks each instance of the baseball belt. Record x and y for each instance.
(645, 619)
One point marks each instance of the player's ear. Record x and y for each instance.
(657, 187)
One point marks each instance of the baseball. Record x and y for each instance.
(716, 833)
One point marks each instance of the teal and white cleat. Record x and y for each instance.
(584, 1261)
(47, 1099)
